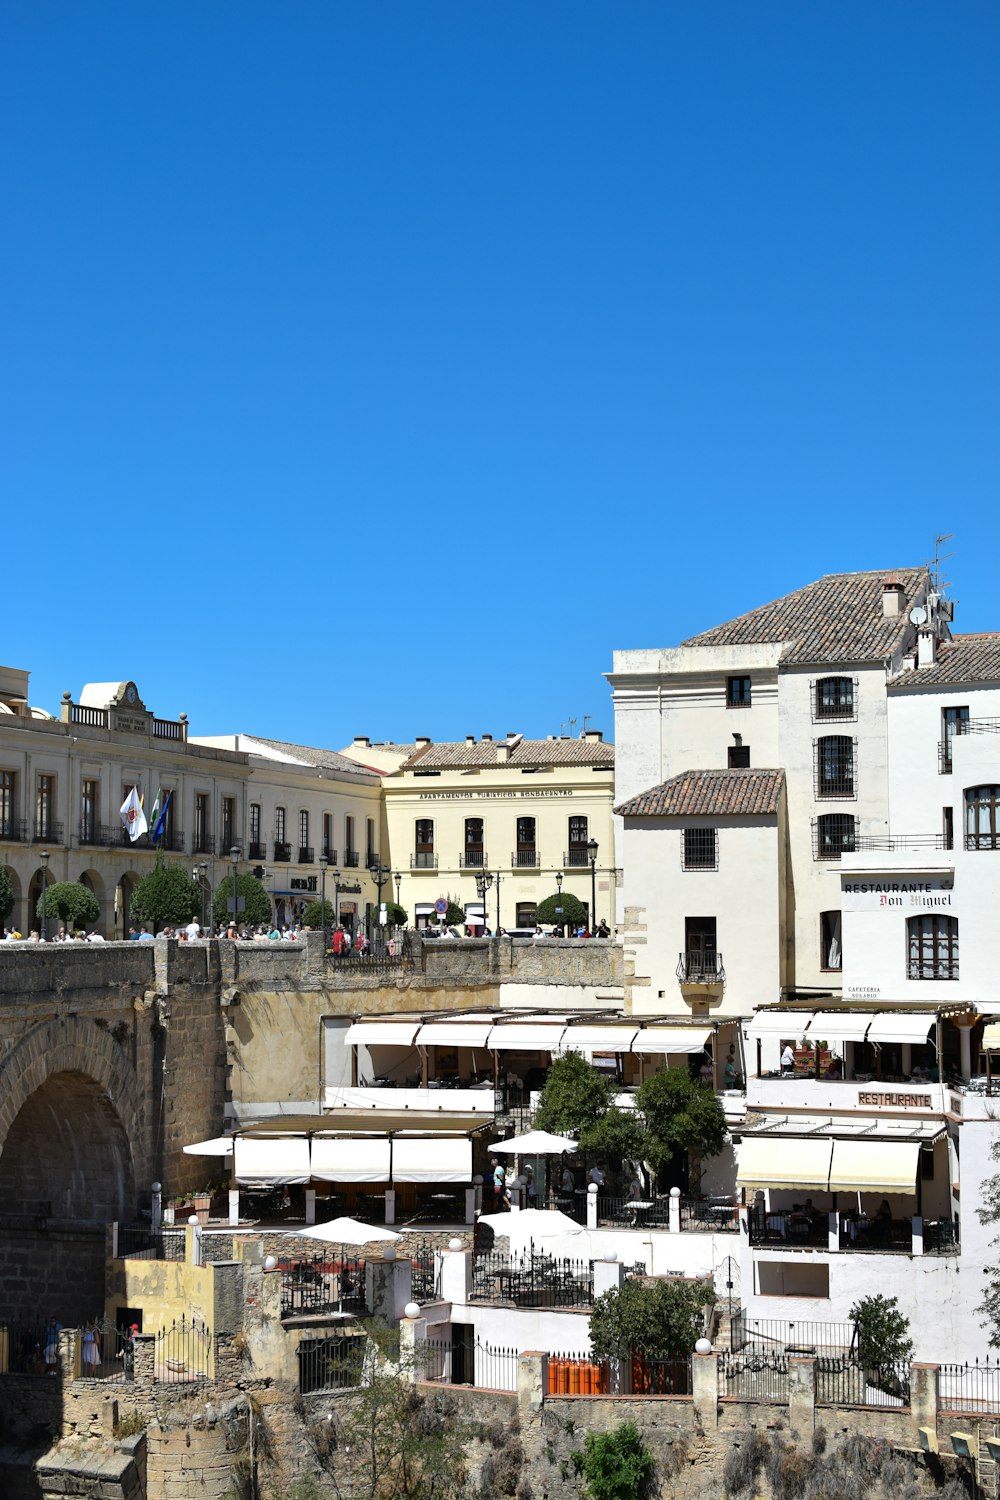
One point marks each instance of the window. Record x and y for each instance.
(8, 804)
(738, 757)
(948, 827)
(835, 766)
(279, 825)
(831, 955)
(305, 852)
(228, 823)
(954, 720)
(328, 848)
(474, 853)
(45, 797)
(932, 947)
(834, 698)
(700, 958)
(201, 823)
(525, 914)
(423, 848)
(89, 811)
(982, 816)
(737, 692)
(578, 831)
(525, 853)
(835, 835)
(369, 842)
(350, 849)
(256, 848)
(700, 848)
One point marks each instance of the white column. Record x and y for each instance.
(833, 1239)
(456, 1274)
(234, 1205)
(965, 1052)
(609, 1275)
(156, 1212)
(310, 1205)
(470, 1204)
(592, 1206)
(674, 1224)
(390, 1205)
(917, 1242)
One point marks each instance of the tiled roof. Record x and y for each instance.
(719, 794)
(307, 755)
(524, 753)
(836, 619)
(965, 658)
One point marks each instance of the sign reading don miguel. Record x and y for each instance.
(883, 893)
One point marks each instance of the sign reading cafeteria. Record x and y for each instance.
(932, 893)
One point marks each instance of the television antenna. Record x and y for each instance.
(937, 583)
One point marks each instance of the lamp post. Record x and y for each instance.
(44, 857)
(323, 862)
(398, 878)
(484, 881)
(236, 902)
(592, 848)
(200, 874)
(381, 875)
(559, 909)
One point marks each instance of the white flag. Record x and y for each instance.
(133, 816)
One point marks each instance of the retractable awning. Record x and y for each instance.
(350, 1158)
(416, 1159)
(265, 1161)
(597, 1038)
(874, 1166)
(220, 1145)
(839, 1026)
(779, 1023)
(901, 1027)
(382, 1033)
(783, 1163)
(517, 1036)
(991, 1039)
(671, 1039)
(455, 1033)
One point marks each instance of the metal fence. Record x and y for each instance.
(661, 1377)
(970, 1388)
(425, 1276)
(843, 1380)
(533, 1280)
(322, 1283)
(183, 1352)
(460, 1361)
(796, 1335)
(578, 1375)
(142, 1242)
(712, 1214)
(106, 1352)
(29, 1348)
(330, 1363)
(754, 1374)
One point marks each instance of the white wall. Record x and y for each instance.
(918, 790)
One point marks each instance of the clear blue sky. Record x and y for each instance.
(381, 367)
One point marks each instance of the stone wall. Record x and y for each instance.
(56, 1271)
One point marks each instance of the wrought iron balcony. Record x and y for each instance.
(46, 831)
(423, 859)
(203, 843)
(282, 853)
(99, 835)
(13, 831)
(352, 859)
(257, 851)
(330, 854)
(523, 859)
(473, 859)
(700, 968)
(306, 854)
(575, 857)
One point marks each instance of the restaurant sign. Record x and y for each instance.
(899, 1101)
(932, 893)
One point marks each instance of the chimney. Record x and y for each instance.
(362, 742)
(593, 734)
(470, 739)
(488, 737)
(892, 597)
(422, 740)
(503, 753)
(926, 648)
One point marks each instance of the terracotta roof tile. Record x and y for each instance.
(964, 658)
(307, 755)
(708, 794)
(525, 753)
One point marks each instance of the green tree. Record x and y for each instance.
(883, 1331)
(660, 1319)
(990, 1214)
(313, 915)
(395, 915)
(575, 1097)
(617, 1465)
(166, 896)
(454, 916)
(6, 895)
(257, 906)
(71, 903)
(618, 1134)
(680, 1113)
(574, 913)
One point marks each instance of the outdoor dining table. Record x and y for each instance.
(640, 1209)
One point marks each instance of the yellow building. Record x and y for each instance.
(526, 816)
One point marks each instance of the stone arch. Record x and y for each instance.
(94, 881)
(123, 902)
(67, 1087)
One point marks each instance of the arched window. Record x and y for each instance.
(932, 947)
(835, 698)
(835, 766)
(982, 817)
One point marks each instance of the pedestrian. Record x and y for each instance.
(51, 1347)
(788, 1059)
(499, 1182)
(193, 930)
(91, 1357)
(530, 1191)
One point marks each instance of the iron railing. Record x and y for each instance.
(473, 859)
(524, 859)
(709, 1214)
(456, 1361)
(183, 1352)
(890, 842)
(754, 1375)
(971, 1388)
(661, 1377)
(797, 1335)
(424, 1273)
(282, 853)
(305, 854)
(844, 1380)
(330, 853)
(106, 1352)
(141, 1242)
(788, 1227)
(31, 1347)
(13, 830)
(941, 1236)
(573, 858)
(578, 1375)
(330, 1363)
(256, 850)
(700, 968)
(47, 831)
(423, 859)
(351, 859)
(203, 843)
(960, 727)
(858, 1233)
(322, 1283)
(533, 1280)
(98, 835)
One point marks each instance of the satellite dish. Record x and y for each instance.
(918, 615)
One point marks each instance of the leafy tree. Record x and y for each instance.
(619, 1134)
(6, 895)
(660, 1319)
(313, 915)
(73, 903)
(454, 916)
(990, 1214)
(882, 1331)
(575, 1097)
(617, 1465)
(574, 913)
(258, 902)
(680, 1113)
(167, 895)
(395, 915)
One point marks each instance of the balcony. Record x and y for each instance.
(700, 968)
(352, 859)
(282, 853)
(574, 858)
(171, 841)
(257, 851)
(203, 843)
(524, 859)
(306, 854)
(963, 726)
(423, 859)
(47, 832)
(329, 854)
(98, 835)
(473, 859)
(13, 831)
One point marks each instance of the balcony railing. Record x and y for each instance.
(305, 854)
(282, 853)
(473, 859)
(46, 831)
(834, 835)
(928, 968)
(257, 851)
(352, 859)
(98, 835)
(963, 726)
(203, 843)
(169, 729)
(889, 842)
(700, 968)
(330, 854)
(423, 859)
(13, 831)
(975, 841)
(573, 858)
(92, 718)
(524, 859)
(789, 1227)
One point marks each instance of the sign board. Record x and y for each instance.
(930, 893)
(440, 906)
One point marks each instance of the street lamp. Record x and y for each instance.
(559, 908)
(592, 848)
(484, 881)
(323, 862)
(236, 902)
(381, 875)
(200, 874)
(44, 857)
(399, 881)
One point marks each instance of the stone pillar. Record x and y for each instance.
(917, 1235)
(532, 1381)
(387, 1287)
(390, 1206)
(234, 1206)
(833, 1233)
(471, 1204)
(705, 1386)
(412, 1334)
(965, 1050)
(592, 1206)
(156, 1206)
(69, 1354)
(227, 962)
(456, 1275)
(674, 1224)
(609, 1276)
(311, 1206)
(802, 1393)
(314, 964)
(113, 1236)
(143, 1359)
(192, 1244)
(924, 1398)
(164, 953)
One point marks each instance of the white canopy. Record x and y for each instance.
(441, 1159)
(991, 1039)
(455, 1033)
(879, 1166)
(903, 1026)
(524, 1036)
(339, 1158)
(535, 1224)
(671, 1039)
(346, 1231)
(220, 1145)
(597, 1038)
(783, 1163)
(839, 1026)
(267, 1161)
(535, 1143)
(777, 1023)
(381, 1033)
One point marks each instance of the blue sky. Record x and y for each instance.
(382, 367)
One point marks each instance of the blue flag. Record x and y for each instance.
(161, 821)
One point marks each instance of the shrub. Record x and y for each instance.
(6, 895)
(70, 902)
(617, 1465)
(257, 906)
(166, 895)
(743, 1464)
(882, 1331)
(662, 1319)
(313, 915)
(574, 913)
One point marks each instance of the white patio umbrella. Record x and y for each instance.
(347, 1231)
(220, 1145)
(538, 1225)
(536, 1143)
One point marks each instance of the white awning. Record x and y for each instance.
(455, 1033)
(220, 1145)
(671, 1039)
(266, 1161)
(522, 1036)
(381, 1033)
(779, 1023)
(991, 1040)
(784, 1163)
(874, 1166)
(902, 1027)
(445, 1159)
(839, 1026)
(597, 1038)
(346, 1158)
